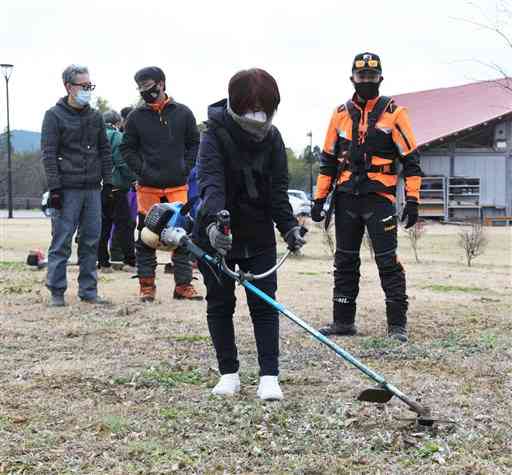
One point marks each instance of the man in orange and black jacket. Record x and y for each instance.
(366, 138)
(160, 146)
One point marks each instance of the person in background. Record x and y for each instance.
(160, 146)
(116, 251)
(125, 112)
(77, 160)
(117, 212)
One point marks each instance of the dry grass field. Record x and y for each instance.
(126, 389)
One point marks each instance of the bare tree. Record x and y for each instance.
(102, 104)
(415, 233)
(473, 241)
(328, 238)
(499, 22)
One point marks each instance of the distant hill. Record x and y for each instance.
(25, 140)
(22, 140)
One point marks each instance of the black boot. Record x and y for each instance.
(398, 333)
(344, 314)
(396, 314)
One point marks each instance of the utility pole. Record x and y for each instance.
(7, 71)
(310, 135)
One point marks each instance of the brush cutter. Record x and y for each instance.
(175, 237)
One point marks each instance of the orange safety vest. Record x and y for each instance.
(367, 164)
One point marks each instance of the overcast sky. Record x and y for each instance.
(307, 45)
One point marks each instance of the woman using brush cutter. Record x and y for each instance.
(242, 167)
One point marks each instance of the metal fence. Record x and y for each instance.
(21, 202)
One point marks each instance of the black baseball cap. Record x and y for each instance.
(367, 61)
(151, 72)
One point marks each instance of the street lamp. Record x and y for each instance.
(7, 71)
(310, 135)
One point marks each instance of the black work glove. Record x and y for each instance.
(410, 214)
(55, 199)
(317, 210)
(295, 238)
(220, 242)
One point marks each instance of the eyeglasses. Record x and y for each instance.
(86, 86)
(366, 75)
(371, 63)
(145, 85)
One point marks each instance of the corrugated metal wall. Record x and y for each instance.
(489, 167)
(435, 165)
(491, 171)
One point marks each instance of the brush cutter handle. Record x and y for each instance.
(249, 276)
(303, 230)
(224, 222)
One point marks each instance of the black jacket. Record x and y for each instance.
(223, 185)
(74, 148)
(161, 148)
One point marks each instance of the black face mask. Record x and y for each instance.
(367, 90)
(151, 95)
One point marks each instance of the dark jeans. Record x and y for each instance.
(265, 319)
(377, 215)
(146, 260)
(118, 215)
(80, 209)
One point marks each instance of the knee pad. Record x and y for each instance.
(388, 261)
(347, 259)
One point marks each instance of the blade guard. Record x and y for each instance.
(377, 395)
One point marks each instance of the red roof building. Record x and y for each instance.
(465, 138)
(437, 114)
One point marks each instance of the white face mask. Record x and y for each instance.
(83, 97)
(259, 116)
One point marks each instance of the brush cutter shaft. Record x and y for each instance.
(337, 349)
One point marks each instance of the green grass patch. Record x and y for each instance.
(12, 265)
(157, 453)
(455, 341)
(453, 288)
(169, 378)
(169, 413)
(4, 422)
(115, 424)
(488, 340)
(378, 343)
(428, 449)
(121, 380)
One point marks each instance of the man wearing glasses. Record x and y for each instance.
(160, 145)
(365, 139)
(78, 163)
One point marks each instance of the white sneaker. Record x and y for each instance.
(228, 385)
(268, 389)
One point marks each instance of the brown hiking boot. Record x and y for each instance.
(186, 292)
(147, 289)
